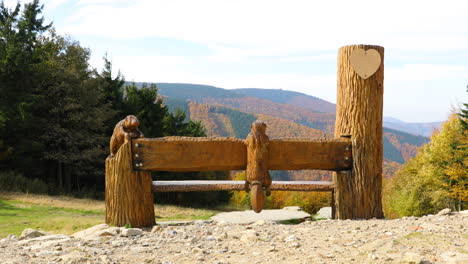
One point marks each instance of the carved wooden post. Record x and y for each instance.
(358, 193)
(129, 195)
(258, 176)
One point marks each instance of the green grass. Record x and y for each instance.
(16, 216)
(66, 215)
(201, 216)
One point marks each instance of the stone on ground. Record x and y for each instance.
(249, 216)
(31, 233)
(131, 232)
(444, 211)
(324, 213)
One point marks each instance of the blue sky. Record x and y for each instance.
(291, 45)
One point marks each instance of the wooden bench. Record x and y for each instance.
(355, 154)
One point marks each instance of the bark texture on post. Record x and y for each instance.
(359, 106)
(129, 195)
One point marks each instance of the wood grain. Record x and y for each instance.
(207, 154)
(257, 174)
(206, 186)
(189, 154)
(358, 193)
(303, 154)
(129, 196)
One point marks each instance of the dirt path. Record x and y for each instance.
(429, 239)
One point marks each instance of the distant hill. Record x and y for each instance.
(195, 92)
(230, 113)
(223, 121)
(305, 101)
(406, 144)
(205, 94)
(423, 129)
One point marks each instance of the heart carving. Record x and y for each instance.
(365, 62)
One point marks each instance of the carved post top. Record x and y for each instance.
(124, 130)
(257, 134)
(131, 122)
(258, 125)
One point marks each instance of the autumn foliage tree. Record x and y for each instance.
(436, 178)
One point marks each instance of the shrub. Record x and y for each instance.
(15, 182)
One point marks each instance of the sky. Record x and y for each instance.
(289, 45)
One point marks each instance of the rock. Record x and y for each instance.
(259, 223)
(95, 232)
(294, 245)
(90, 232)
(42, 239)
(411, 258)
(126, 232)
(105, 260)
(113, 230)
(155, 229)
(454, 257)
(172, 232)
(74, 258)
(201, 222)
(324, 213)
(211, 238)
(197, 250)
(290, 238)
(249, 236)
(445, 211)
(248, 217)
(222, 223)
(47, 253)
(31, 233)
(12, 237)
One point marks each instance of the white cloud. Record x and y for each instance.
(278, 27)
(48, 4)
(10, 3)
(421, 39)
(426, 72)
(184, 70)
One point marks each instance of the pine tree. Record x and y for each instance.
(113, 88)
(463, 115)
(71, 113)
(19, 35)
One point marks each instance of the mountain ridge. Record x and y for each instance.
(218, 112)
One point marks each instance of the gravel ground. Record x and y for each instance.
(441, 238)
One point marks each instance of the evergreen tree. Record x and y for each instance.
(52, 112)
(145, 104)
(463, 115)
(71, 113)
(113, 89)
(19, 34)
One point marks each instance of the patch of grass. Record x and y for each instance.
(15, 216)
(174, 213)
(66, 215)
